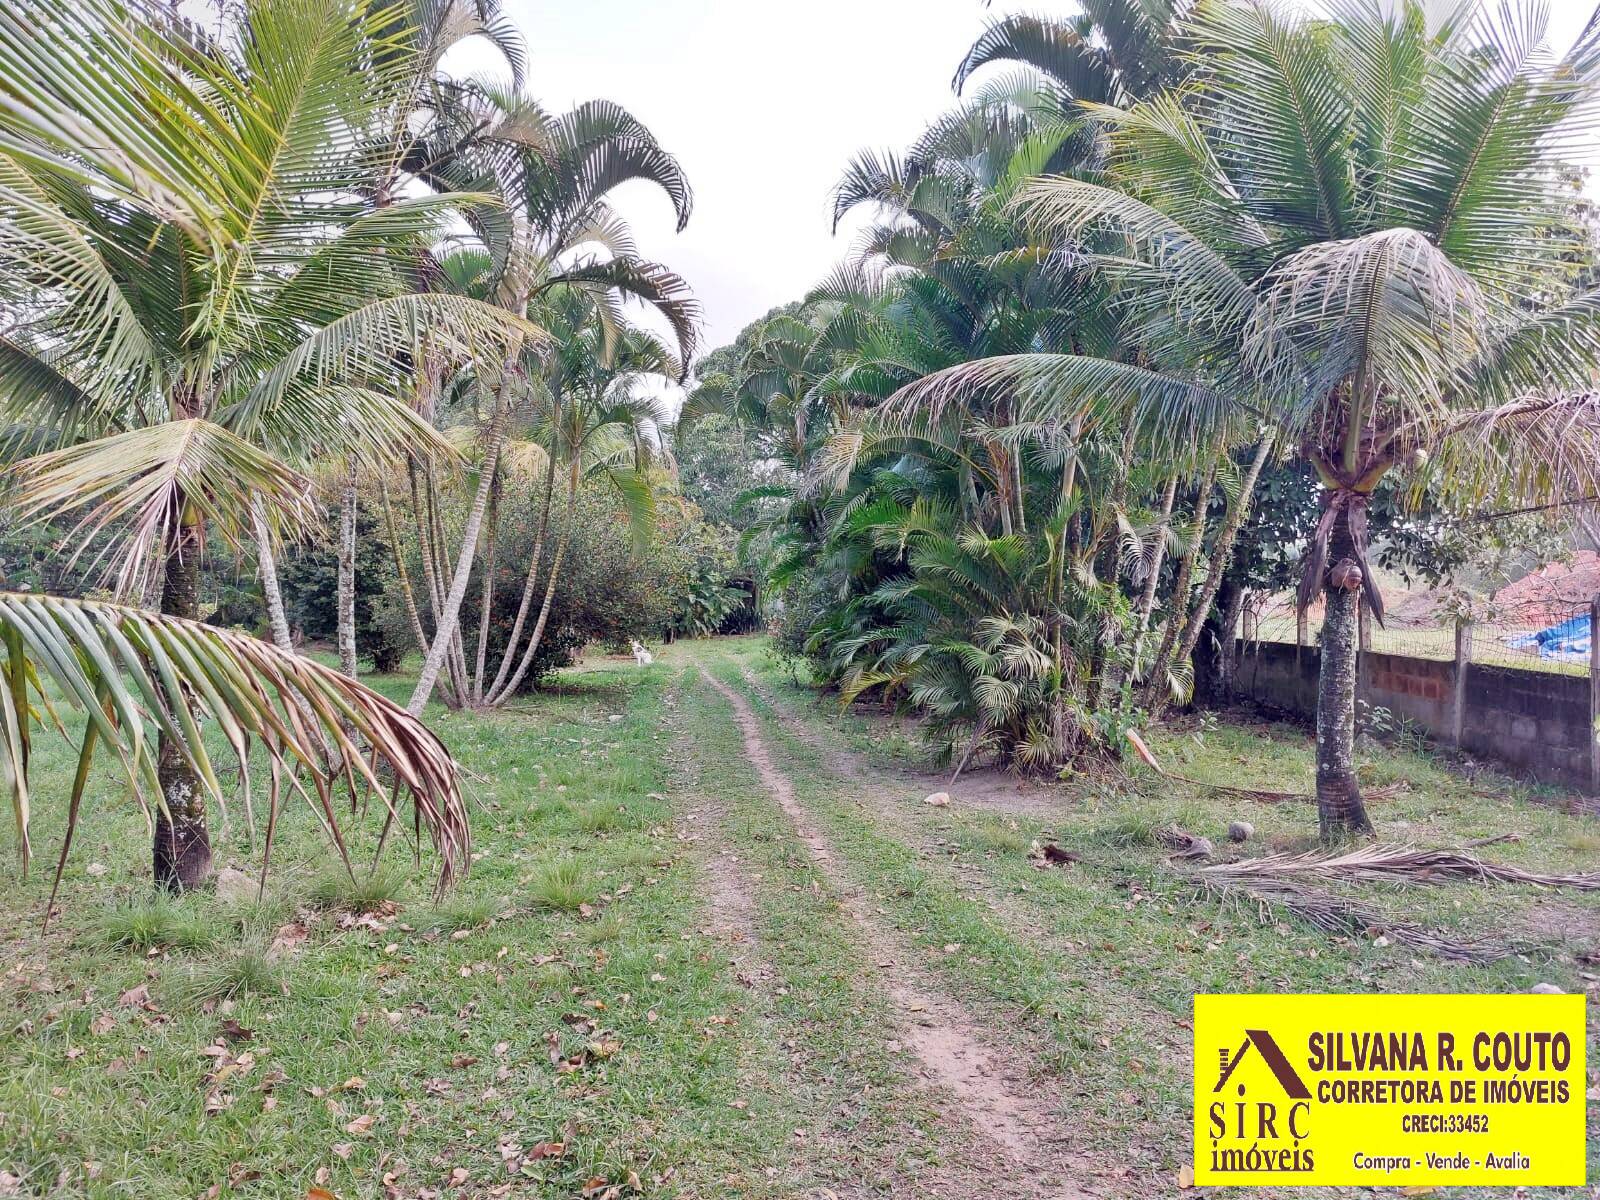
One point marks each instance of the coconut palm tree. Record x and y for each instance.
(146, 683)
(198, 290)
(1341, 233)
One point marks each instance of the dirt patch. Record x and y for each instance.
(951, 1054)
(1554, 919)
(986, 788)
(729, 898)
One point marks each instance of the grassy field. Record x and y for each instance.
(713, 944)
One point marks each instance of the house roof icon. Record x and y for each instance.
(1287, 1077)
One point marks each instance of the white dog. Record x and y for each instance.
(642, 656)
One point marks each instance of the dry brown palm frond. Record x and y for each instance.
(1341, 916)
(1387, 792)
(140, 677)
(1395, 862)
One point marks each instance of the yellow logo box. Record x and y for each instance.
(1389, 1090)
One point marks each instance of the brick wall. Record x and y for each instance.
(1534, 722)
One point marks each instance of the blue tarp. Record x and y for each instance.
(1568, 641)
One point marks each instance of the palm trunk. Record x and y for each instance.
(1340, 810)
(486, 603)
(1231, 600)
(1222, 550)
(537, 635)
(401, 571)
(420, 510)
(347, 573)
(181, 855)
(277, 616)
(445, 634)
(1107, 674)
(1178, 604)
(456, 682)
(528, 585)
(1147, 598)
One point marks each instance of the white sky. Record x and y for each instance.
(764, 102)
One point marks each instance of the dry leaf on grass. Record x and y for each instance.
(1398, 861)
(362, 1125)
(1052, 855)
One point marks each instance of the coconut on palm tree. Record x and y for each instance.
(1341, 232)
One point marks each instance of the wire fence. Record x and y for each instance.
(1553, 638)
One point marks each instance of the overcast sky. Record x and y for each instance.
(764, 102)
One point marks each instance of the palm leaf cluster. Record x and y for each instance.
(199, 243)
(140, 678)
(1175, 245)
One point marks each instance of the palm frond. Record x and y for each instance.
(142, 484)
(137, 676)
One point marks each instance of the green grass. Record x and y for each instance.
(358, 890)
(562, 886)
(247, 968)
(156, 921)
(1093, 966)
(447, 1014)
(573, 988)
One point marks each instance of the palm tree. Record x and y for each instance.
(142, 678)
(603, 423)
(1342, 233)
(558, 230)
(1113, 52)
(430, 29)
(198, 290)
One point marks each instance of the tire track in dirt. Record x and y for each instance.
(989, 789)
(953, 1056)
(733, 909)
(889, 809)
(730, 901)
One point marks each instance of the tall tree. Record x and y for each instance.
(1342, 232)
(559, 231)
(200, 290)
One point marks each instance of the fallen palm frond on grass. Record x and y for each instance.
(1343, 917)
(1392, 861)
(140, 677)
(1259, 795)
